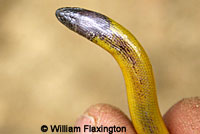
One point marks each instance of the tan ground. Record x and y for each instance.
(50, 75)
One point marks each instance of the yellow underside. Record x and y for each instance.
(139, 79)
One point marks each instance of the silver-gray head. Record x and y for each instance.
(84, 22)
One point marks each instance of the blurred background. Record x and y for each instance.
(50, 75)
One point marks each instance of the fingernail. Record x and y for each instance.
(85, 120)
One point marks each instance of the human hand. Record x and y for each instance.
(182, 118)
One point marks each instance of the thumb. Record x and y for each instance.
(104, 115)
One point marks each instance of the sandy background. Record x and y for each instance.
(50, 75)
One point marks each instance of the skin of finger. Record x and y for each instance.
(106, 115)
(184, 117)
